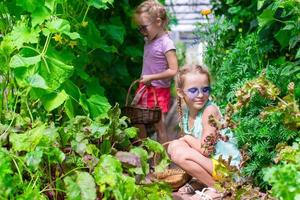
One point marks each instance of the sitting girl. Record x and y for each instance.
(191, 152)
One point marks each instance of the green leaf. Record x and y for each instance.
(283, 37)
(69, 108)
(71, 89)
(21, 75)
(143, 155)
(107, 170)
(27, 141)
(117, 32)
(72, 103)
(133, 51)
(19, 61)
(50, 4)
(92, 150)
(55, 155)
(61, 26)
(290, 70)
(37, 81)
(298, 53)
(99, 131)
(22, 34)
(105, 147)
(55, 72)
(39, 15)
(260, 4)
(163, 164)
(73, 189)
(267, 17)
(79, 146)
(94, 40)
(29, 5)
(234, 10)
(94, 88)
(73, 35)
(159, 149)
(34, 158)
(87, 186)
(98, 105)
(58, 25)
(289, 26)
(54, 100)
(100, 4)
(154, 146)
(131, 132)
(83, 102)
(294, 40)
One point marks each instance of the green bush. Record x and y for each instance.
(249, 45)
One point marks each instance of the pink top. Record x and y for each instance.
(155, 61)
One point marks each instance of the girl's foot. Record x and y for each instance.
(186, 189)
(190, 187)
(207, 194)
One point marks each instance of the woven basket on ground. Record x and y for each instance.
(175, 177)
(141, 114)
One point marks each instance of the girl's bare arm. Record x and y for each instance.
(209, 133)
(168, 73)
(204, 145)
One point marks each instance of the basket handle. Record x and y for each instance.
(129, 90)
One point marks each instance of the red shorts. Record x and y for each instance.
(147, 98)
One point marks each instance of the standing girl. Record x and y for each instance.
(159, 62)
(192, 152)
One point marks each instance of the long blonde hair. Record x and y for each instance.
(179, 82)
(154, 9)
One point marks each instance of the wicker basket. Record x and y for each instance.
(175, 177)
(140, 114)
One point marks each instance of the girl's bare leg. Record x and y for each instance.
(161, 129)
(142, 132)
(192, 161)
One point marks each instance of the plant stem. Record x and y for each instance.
(282, 101)
(85, 14)
(52, 189)
(59, 178)
(19, 172)
(27, 106)
(46, 64)
(13, 119)
(46, 45)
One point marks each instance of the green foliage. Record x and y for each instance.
(60, 62)
(77, 160)
(246, 39)
(285, 176)
(45, 50)
(261, 140)
(180, 52)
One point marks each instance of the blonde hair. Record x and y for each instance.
(179, 82)
(154, 9)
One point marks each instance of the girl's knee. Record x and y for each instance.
(172, 146)
(176, 152)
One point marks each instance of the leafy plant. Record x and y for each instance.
(260, 133)
(245, 40)
(78, 160)
(59, 134)
(284, 177)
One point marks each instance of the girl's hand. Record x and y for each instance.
(146, 79)
(205, 150)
